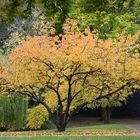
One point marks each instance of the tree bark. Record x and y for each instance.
(61, 124)
(107, 114)
(102, 117)
(61, 128)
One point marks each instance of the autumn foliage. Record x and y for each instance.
(69, 71)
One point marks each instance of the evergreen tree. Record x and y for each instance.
(13, 111)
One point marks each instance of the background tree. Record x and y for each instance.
(13, 110)
(14, 33)
(107, 105)
(113, 6)
(100, 16)
(56, 9)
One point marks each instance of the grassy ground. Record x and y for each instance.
(98, 132)
(101, 127)
(75, 138)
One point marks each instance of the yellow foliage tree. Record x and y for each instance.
(69, 71)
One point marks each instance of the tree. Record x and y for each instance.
(109, 17)
(13, 112)
(56, 9)
(114, 6)
(13, 34)
(107, 105)
(99, 15)
(62, 72)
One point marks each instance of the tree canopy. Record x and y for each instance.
(69, 71)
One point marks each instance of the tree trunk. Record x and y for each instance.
(60, 122)
(107, 113)
(102, 117)
(61, 126)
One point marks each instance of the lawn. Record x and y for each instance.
(101, 127)
(76, 138)
(77, 133)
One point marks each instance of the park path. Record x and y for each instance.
(135, 127)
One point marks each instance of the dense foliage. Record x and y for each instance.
(96, 11)
(38, 118)
(13, 34)
(13, 112)
(66, 72)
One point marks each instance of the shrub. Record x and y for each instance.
(38, 118)
(13, 111)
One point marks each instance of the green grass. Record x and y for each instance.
(78, 133)
(75, 138)
(105, 126)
